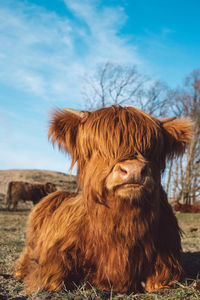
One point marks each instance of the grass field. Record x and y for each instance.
(12, 234)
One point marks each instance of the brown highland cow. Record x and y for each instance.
(20, 190)
(120, 232)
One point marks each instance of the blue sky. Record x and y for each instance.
(46, 47)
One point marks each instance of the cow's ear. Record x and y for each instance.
(63, 129)
(177, 135)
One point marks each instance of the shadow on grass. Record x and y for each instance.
(2, 297)
(20, 210)
(191, 265)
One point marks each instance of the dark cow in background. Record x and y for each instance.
(186, 208)
(20, 190)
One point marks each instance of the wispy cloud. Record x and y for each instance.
(43, 56)
(33, 49)
(102, 32)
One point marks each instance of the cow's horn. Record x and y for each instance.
(164, 120)
(75, 112)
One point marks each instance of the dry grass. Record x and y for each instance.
(12, 233)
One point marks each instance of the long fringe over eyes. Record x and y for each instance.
(117, 132)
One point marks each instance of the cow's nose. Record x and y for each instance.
(131, 171)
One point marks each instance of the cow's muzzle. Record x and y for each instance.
(129, 172)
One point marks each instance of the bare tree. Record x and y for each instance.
(120, 84)
(155, 100)
(112, 84)
(187, 176)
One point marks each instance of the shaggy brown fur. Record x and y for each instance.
(120, 231)
(20, 190)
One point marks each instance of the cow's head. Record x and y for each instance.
(119, 150)
(50, 187)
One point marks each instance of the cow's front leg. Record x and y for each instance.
(166, 273)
